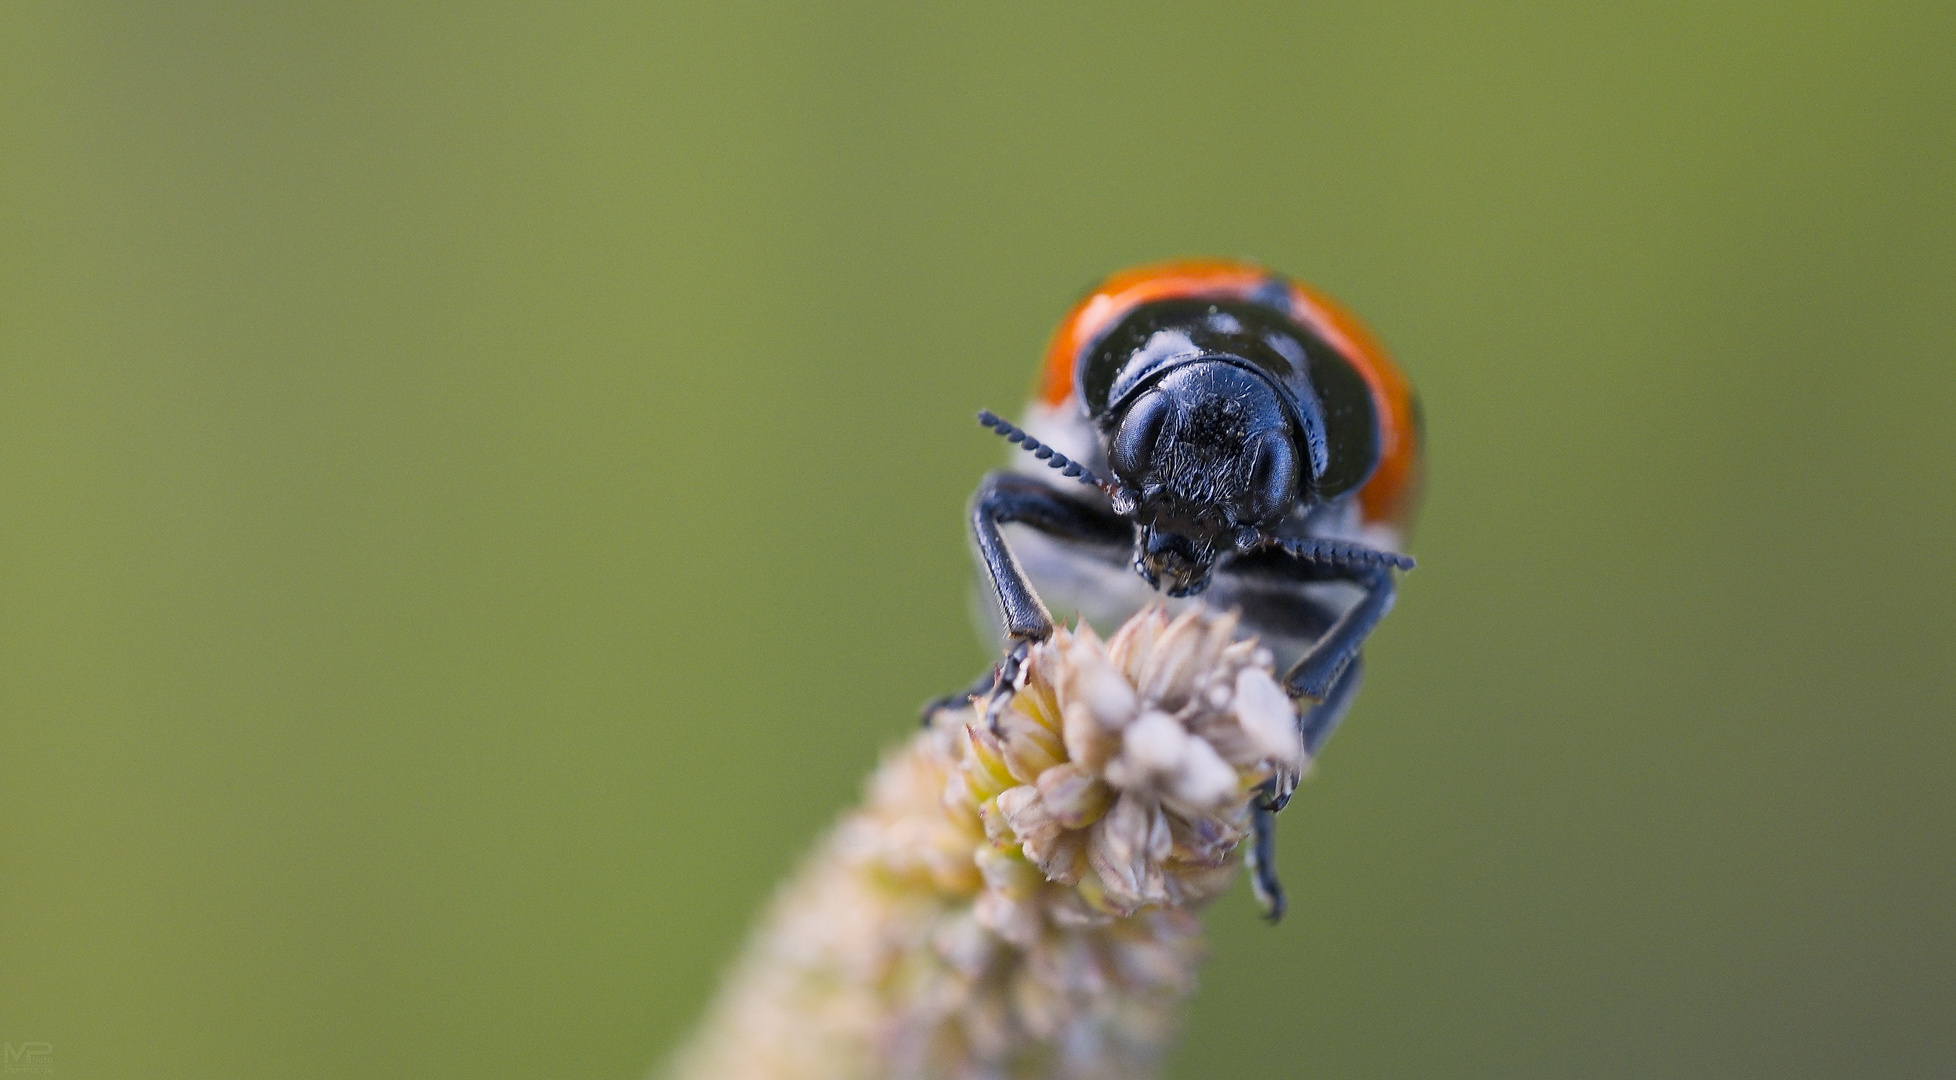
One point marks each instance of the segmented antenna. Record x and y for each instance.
(1339, 552)
(1123, 497)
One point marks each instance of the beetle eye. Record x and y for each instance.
(1273, 477)
(1133, 447)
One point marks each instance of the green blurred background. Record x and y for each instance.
(478, 486)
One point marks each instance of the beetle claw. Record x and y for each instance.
(1005, 680)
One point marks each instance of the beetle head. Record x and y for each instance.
(1207, 452)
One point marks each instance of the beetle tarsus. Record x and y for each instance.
(1274, 794)
(1263, 861)
(960, 698)
(1005, 681)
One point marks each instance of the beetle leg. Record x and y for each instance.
(1007, 681)
(1263, 857)
(1319, 669)
(1315, 675)
(1273, 794)
(1322, 719)
(963, 697)
(1002, 676)
(1008, 497)
(1315, 725)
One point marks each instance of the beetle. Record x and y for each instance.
(1242, 441)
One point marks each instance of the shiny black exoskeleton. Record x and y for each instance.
(1233, 439)
(1225, 425)
(1220, 418)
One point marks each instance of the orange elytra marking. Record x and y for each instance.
(1128, 289)
(1391, 496)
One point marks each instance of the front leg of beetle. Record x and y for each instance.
(1262, 854)
(1004, 498)
(999, 676)
(1315, 674)
(1316, 723)
(1008, 497)
(1328, 674)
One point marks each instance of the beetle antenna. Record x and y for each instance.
(1335, 552)
(1122, 495)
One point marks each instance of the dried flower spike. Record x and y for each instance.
(1015, 898)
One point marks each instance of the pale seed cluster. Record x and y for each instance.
(1015, 899)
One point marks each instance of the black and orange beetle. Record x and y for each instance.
(1241, 439)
